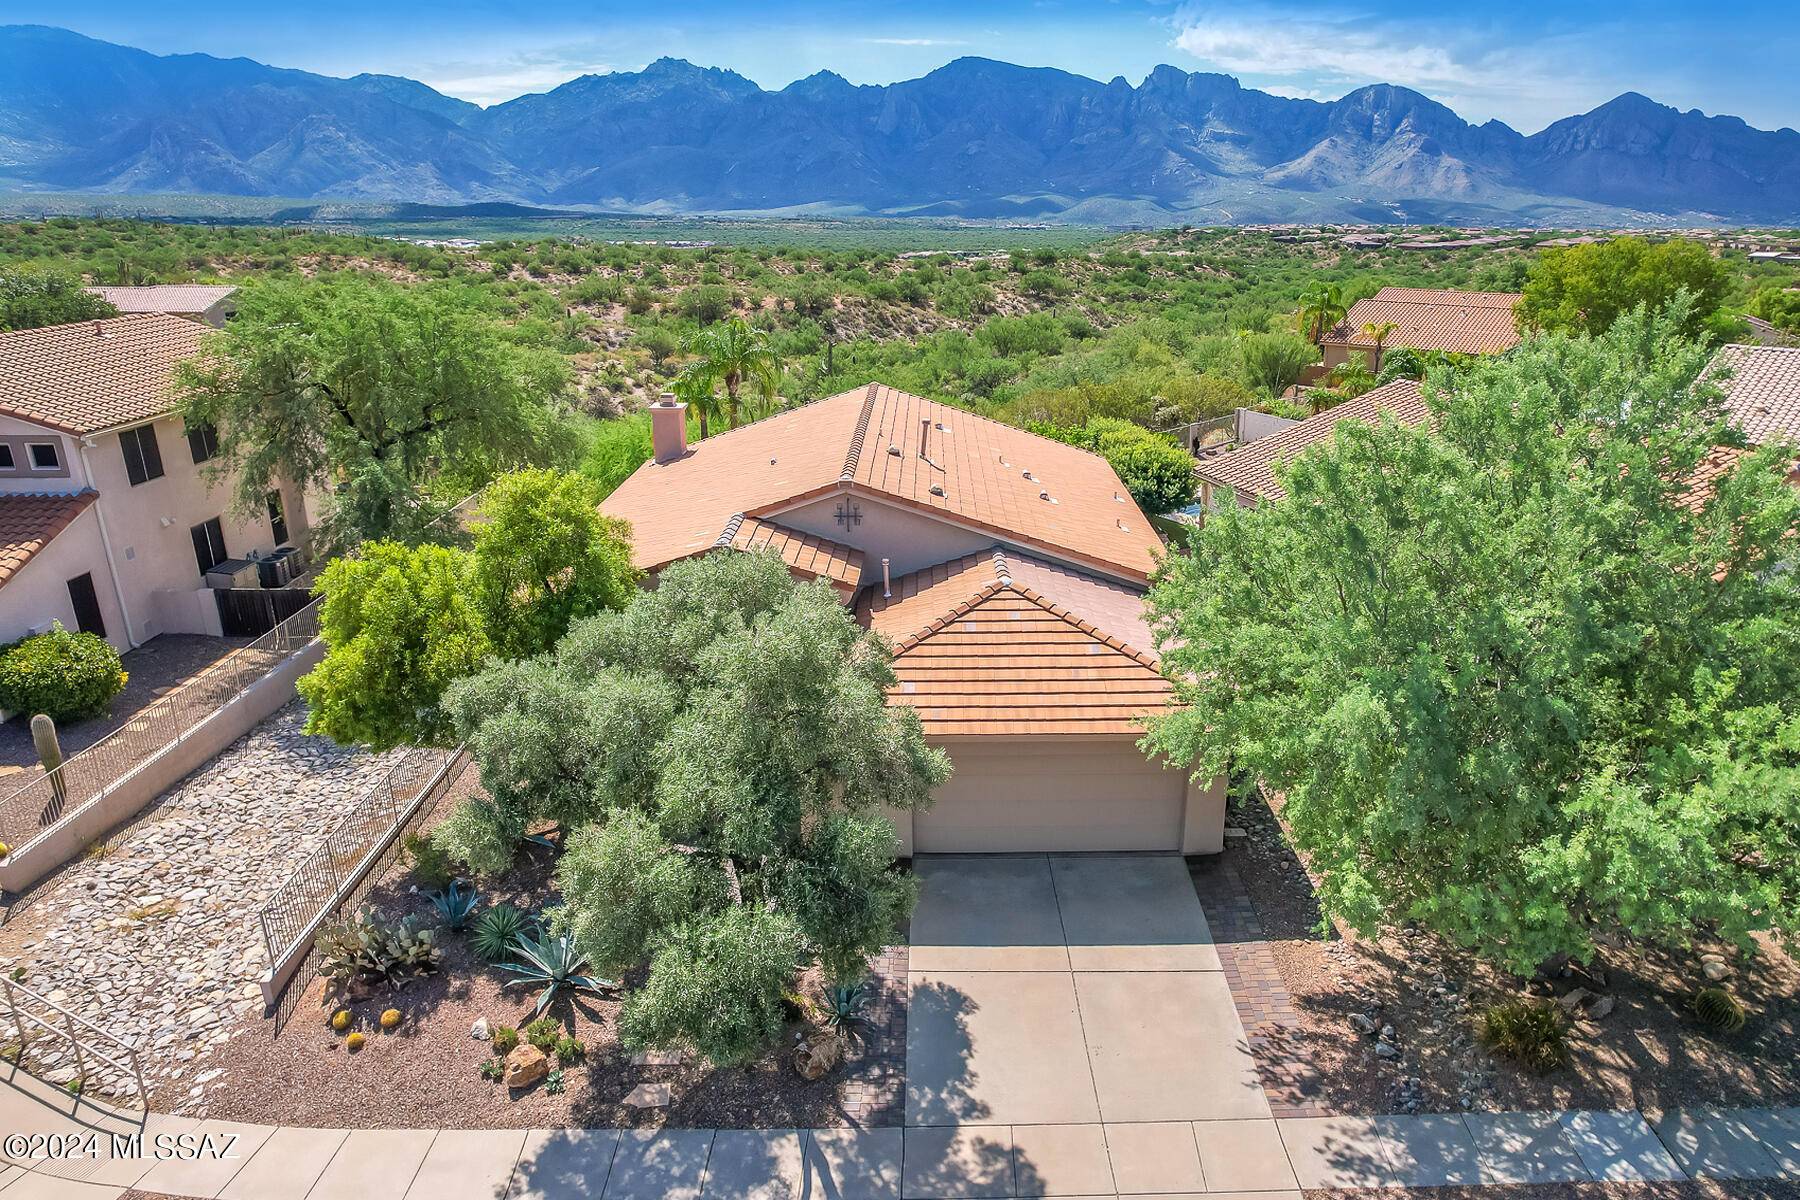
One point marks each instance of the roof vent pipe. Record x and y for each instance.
(924, 432)
(668, 428)
(887, 586)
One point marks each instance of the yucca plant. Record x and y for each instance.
(455, 904)
(496, 930)
(846, 1009)
(555, 962)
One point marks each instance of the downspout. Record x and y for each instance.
(112, 564)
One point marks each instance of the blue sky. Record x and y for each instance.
(1526, 63)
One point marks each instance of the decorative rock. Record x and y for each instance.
(648, 1095)
(658, 1058)
(1714, 967)
(1574, 999)
(525, 1066)
(480, 1030)
(1362, 1023)
(1386, 1050)
(1600, 1008)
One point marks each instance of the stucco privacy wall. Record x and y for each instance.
(39, 593)
(1072, 793)
(126, 798)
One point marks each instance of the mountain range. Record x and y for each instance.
(975, 138)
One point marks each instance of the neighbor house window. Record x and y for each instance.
(6, 457)
(203, 441)
(209, 544)
(44, 456)
(277, 518)
(143, 461)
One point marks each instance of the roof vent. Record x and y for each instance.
(894, 450)
(1118, 498)
(1047, 496)
(937, 489)
(1124, 526)
(942, 428)
(1027, 474)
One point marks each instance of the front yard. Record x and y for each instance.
(1419, 998)
(429, 1070)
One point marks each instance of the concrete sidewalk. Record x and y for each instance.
(1272, 1159)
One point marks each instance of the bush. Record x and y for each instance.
(544, 1033)
(1528, 1033)
(570, 1051)
(506, 1040)
(66, 676)
(429, 862)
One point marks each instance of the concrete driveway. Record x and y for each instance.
(1065, 989)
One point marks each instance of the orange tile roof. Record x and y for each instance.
(813, 557)
(973, 472)
(1762, 394)
(181, 298)
(29, 521)
(1430, 319)
(95, 375)
(981, 651)
(1250, 470)
(1719, 462)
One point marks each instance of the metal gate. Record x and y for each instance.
(252, 612)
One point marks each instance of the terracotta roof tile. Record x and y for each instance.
(30, 521)
(1762, 394)
(95, 375)
(813, 557)
(1250, 470)
(973, 472)
(164, 297)
(982, 651)
(1429, 319)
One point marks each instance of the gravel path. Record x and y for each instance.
(155, 938)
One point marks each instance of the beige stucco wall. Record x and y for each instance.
(39, 593)
(1063, 793)
(18, 434)
(909, 540)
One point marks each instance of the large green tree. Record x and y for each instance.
(398, 398)
(1584, 289)
(722, 750)
(1520, 680)
(31, 298)
(401, 624)
(544, 556)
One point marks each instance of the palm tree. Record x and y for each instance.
(1378, 332)
(1321, 308)
(694, 388)
(734, 353)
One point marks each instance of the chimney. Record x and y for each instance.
(887, 587)
(668, 428)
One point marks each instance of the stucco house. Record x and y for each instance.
(1007, 570)
(1425, 319)
(211, 304)
(108, 522)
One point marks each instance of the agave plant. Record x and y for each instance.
(846, 1006)
(455, 904)
(497, 929)
(554, 961)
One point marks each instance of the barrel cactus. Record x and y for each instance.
(1719, 1009)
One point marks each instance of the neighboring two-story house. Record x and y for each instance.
(1007, 570)
(108, 520)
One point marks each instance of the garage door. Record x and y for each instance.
(1026, 797)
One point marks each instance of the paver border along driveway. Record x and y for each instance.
(1070, 988)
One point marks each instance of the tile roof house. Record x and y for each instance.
(1248, 473)
(108, 520)
(207, 303)
(1762, 389)
(1426, 319)
(1008, 571)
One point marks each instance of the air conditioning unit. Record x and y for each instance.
(234, 573)
(276, 569)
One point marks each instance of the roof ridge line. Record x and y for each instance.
(853, 455)
(728, 535)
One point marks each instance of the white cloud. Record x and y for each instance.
(511, 75)
(1314, 56)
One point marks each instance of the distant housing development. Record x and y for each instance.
(1007, 570)
(1426, 319)
(108, 522)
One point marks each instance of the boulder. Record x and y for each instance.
(1362, 1023)
(525, 1066)
(1714, 967)
(648, 1095)
(480, 1030)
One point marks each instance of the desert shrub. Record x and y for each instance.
(543, 1033)
(496, 930)
(493, 1070)
(67, 676)
(368, 950)
(1527, 1032)
(569, 1050)
(705, 304)
(429, 862)
(506, 1040)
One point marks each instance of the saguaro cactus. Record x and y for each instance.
(49, 751)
